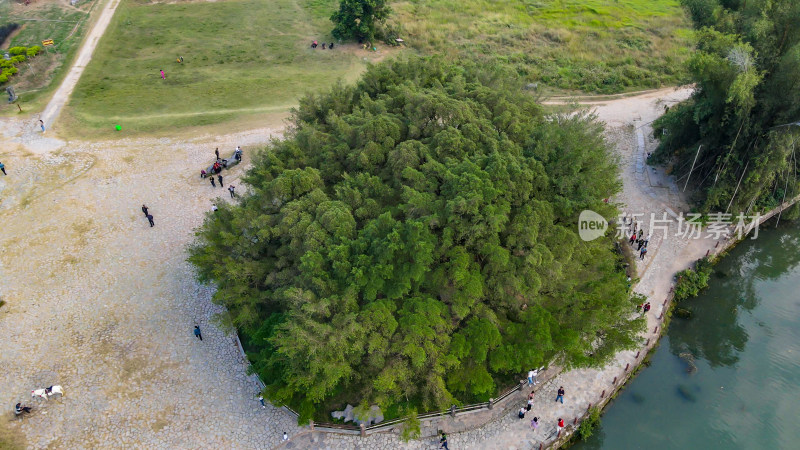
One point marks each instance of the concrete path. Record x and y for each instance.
(52, 110)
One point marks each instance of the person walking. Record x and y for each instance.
(443, 441)
(632, 239)
(535, 423)
(163, 77)
(530, 404)
(261, 399)
(647, 307)
(150, 219)
(144, 209)
(212, 181)
(3, 168)
(642, 252)
(232, 190)
(216, 152)
(41, 124)
(197, 333)
(560, 425)
(285, 436)
(640, 241)
(219, 178)
(521, 413)
(560, 395)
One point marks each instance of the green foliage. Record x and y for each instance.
(8, 66)
(692, 281)
(358, 19)
(411, 426)
(33, 51)
(413, 240)
(745, 67)
(589, 424)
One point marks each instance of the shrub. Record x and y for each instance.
(8, 71)
(6, 63)
(411, 427)
(18, 59)
(33, 51)
(588, 424)
(6, 30)
(3, 77)
(17, 50)
(692, 281)
(357, 19)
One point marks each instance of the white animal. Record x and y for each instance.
(43, 393)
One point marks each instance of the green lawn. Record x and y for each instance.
(249, 58)
(603, 46)
(240, 57)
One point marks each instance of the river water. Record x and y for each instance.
(729, 377)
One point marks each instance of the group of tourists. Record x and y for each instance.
(314, 44)
(638, 238)
(532, 374)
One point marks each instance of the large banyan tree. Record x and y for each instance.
(412, 241)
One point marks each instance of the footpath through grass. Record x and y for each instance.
(240, 57)
(602, 46)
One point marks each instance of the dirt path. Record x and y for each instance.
(52, 110)
(104, 305)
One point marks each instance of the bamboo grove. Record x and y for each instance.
(742, 123)
(412, 242)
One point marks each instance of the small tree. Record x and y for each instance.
(356, 19)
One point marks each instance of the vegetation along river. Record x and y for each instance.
(729, 377)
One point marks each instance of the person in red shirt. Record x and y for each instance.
(560, 424)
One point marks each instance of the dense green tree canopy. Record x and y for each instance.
(746, 67)
(413, 239)
(358, 19)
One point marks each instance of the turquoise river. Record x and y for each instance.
(729, 377)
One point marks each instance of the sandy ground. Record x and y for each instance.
(104, 305)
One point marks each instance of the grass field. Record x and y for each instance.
(603, 46)
(240, 57)
(42, 20)
(246, 58)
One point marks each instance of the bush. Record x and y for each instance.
(6, 30)
(6, 63)
(8, 71)
(18, 59)
(357, 19)
(17, 50)
(588, 424)
(33, 51)
(692, 281)
(3, 77)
